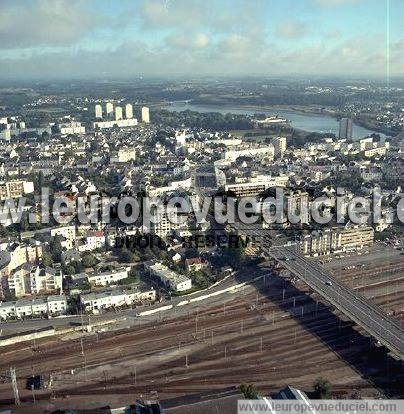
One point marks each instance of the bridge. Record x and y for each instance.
(354, 305)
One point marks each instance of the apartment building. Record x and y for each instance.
(171, 279)
(93, 240)
(297, 207)
(256, 187)
(15, 189)
(31, 279)
(13, 255)
(377, 151)
(107, 278)
(68, 233)
(279, 144)
(72, 127)
(337, 240)
(354, 238)
(123, 155)
(167, 219)
(264, 151)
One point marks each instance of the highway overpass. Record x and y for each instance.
(355, 306)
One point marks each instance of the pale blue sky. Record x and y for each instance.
(124, 38)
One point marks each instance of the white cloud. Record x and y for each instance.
(46, 22)
(333, 3)
(188, 41)
(183, 37)
(292, 30)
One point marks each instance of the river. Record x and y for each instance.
(307, 122)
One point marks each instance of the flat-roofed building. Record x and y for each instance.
(107, 278)
(51, 305)
(297, 206)
(337, 240)
(109, 110)
(279, 144)
(128, 111)
(98, 111)
(356, 237)
(145, 115)
(15, 189)
(173, 280)
(118, 113)
(94, 302)
(254, 188)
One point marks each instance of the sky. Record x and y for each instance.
(105, 39)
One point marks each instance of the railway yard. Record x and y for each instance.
(270, 334)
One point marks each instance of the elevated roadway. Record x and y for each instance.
(355, 306)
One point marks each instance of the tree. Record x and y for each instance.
(24, 224)
(125, 255)
(69, 270)
(322, 388)
(47, 259)
(89, 260)
(249, 391)
(56, 248)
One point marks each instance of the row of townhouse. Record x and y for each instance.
(94, 302)
(51, 305)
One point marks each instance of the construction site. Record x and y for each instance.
(272, 333)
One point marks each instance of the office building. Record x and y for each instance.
(98, 111)
(345, 128)
(145, 115)
(128, 111)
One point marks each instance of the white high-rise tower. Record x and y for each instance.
(145, 115)
(128, 111)
(110, 109)
(98, 111)
(118, 113)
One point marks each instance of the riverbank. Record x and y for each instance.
(305, 118)
(254, 108)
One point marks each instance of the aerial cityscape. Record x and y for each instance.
(201, 206)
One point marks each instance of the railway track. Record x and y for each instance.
(246, 343)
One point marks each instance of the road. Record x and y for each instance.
(351, 303)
